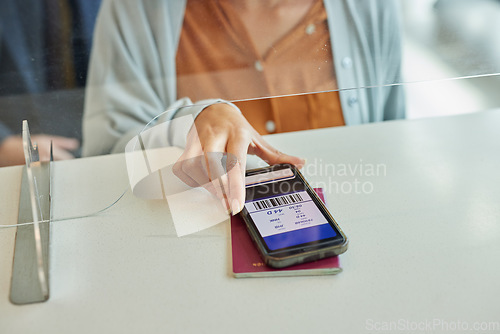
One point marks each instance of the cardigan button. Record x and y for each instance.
(346, 63)
(270, 126)
(258, 66)
(352, 101)
(310, 29)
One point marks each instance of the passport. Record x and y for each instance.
(248, 263)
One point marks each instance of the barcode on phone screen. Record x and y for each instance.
(277, 201)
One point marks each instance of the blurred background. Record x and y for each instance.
(44, 53)
(454, 48)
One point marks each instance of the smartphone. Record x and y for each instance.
(287, 220)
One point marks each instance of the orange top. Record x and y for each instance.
(216, 58)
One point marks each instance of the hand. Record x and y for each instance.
(221, 128)
(12, 152)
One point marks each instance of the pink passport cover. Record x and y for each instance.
(246, 257)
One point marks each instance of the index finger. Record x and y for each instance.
(65, 143)
(237, 149)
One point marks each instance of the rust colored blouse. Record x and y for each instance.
(216, 58)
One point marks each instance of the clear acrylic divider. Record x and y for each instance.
(30, 274)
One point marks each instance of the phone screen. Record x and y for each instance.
(284, 212)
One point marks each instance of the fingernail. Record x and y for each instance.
(302, 164)
(235, 207)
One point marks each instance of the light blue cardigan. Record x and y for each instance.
(132, 75)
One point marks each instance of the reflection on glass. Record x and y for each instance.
(198, 186)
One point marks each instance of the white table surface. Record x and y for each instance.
(424, 245)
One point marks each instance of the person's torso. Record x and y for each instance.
(217, 58)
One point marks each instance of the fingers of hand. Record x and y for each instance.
(272, 156)
(236, 162)
(58, 153)
(68, 144)
(189, 168)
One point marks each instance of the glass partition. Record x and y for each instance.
(295, 66)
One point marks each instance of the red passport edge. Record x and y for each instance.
(248, 263)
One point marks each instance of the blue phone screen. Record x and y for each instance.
(289, 220)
